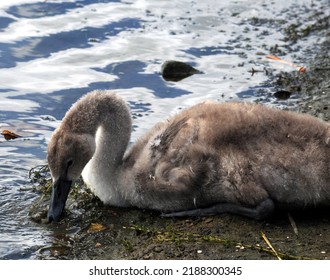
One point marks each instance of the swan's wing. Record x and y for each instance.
(153, 145)
(163, 141)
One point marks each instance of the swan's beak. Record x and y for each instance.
(61, 189)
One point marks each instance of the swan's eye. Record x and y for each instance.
(70, 162)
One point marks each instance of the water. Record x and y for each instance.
(52, 52)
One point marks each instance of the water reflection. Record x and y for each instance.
(37, 47)
(38, 10)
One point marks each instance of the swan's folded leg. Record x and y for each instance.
(261, 211)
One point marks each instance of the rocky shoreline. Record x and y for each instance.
(314, 85)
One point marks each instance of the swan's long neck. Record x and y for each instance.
(107, 118)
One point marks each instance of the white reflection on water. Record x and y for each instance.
(52, 52)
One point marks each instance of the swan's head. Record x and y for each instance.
(68, 153)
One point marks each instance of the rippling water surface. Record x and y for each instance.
(52, 52)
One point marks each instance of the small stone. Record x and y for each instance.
(282, 94)
(175, 71)
(158, 249)
(208, 220)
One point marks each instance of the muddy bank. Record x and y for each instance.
(93, 231)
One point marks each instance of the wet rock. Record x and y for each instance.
(282, 94)
(175, 71)
(39, 217)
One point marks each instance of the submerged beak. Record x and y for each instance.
(61, 189)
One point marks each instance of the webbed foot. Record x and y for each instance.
(260, 212)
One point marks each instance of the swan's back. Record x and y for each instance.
(232, 153)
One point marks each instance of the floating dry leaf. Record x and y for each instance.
(95, 227)
(299, 68)
(9, 135)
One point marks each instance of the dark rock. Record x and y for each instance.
(175, 71)
(282, 94)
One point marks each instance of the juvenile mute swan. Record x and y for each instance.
(212, 158)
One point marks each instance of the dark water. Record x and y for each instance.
(51, 53)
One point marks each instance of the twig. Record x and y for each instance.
(253, 71)
(293, 224)
(264, 237)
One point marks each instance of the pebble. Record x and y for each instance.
(175, 71)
